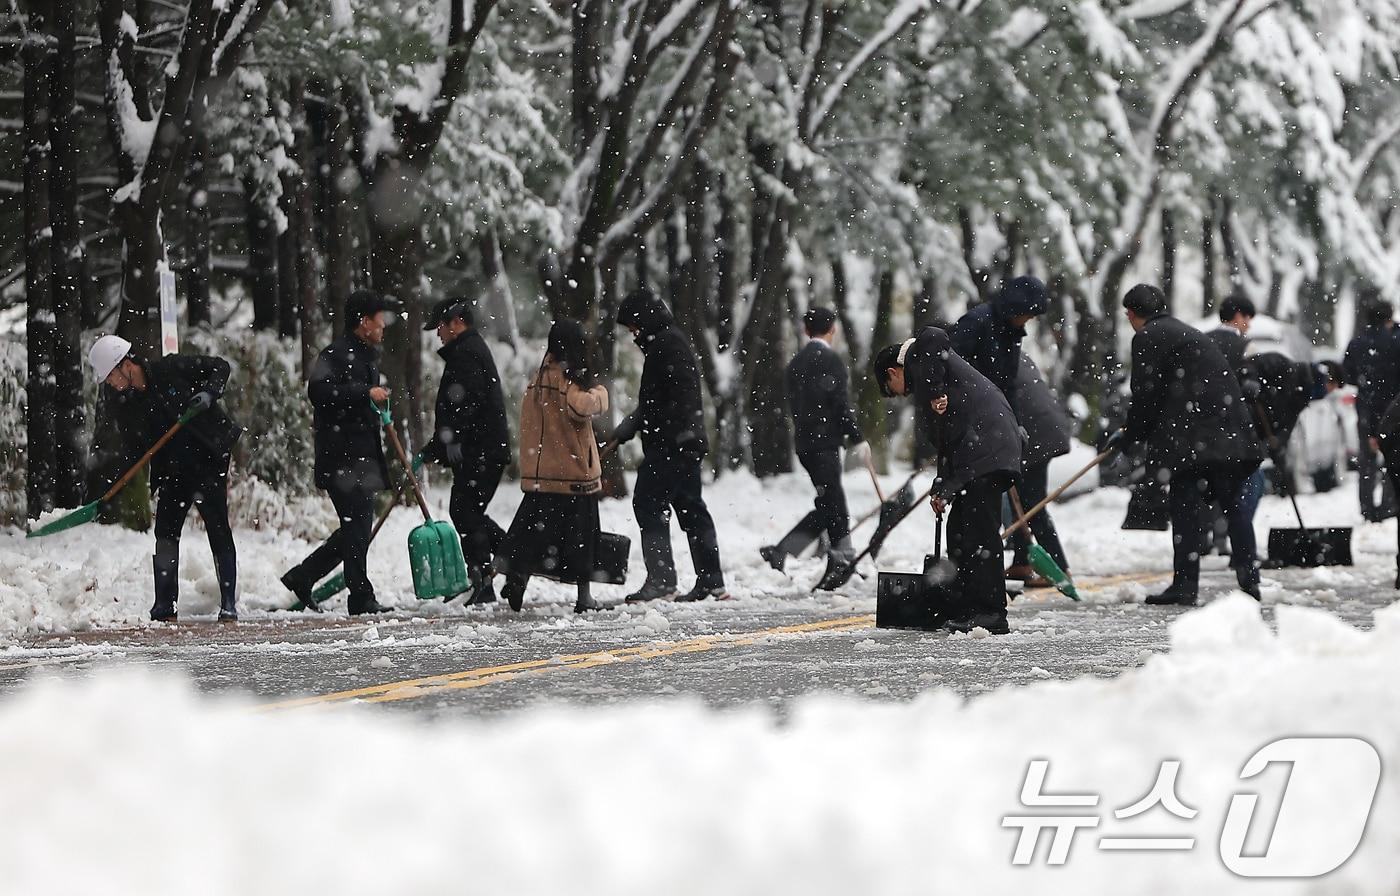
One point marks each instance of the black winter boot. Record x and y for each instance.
(1176, 594)
(514, 592)
(166, 565)
(227, 566)
(651, 591)
(366, 606)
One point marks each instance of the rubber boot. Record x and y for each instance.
(227, 568)
(656, 552)
(585, 601)
(166, 565)
(838, 563)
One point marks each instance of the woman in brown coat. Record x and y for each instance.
(555, 531)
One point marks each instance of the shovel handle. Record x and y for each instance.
(1028, 516)
(938, 537)
(1278, 458)
(874, 479)
(146, 458)
(403, 458)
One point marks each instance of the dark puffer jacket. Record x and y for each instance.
(202, 446)
(1285, 389)
(349, 450)
(1048, 426)
(670, 414)
(470, 409)
(985, 337)
(979, 432)
(1187, 407)
(1372, 365)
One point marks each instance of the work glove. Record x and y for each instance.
(626, 430)
(416, 464)
(202, 401)
(860, 453)
(1116, 441)
(452, 454)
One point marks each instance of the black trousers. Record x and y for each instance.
(663, 484)
(1191, 489)
(1369, 476)
(348, 546)
(473, 487)
(1032, 486)
(829, 513)
(974, 544)
(206, 490)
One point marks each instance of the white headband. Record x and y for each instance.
(904, 350)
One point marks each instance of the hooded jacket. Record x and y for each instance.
(470, 409)
(670, 415)
(979, 435)
(1187, 407)
(985, 337)
(349, 451)
(557, 452)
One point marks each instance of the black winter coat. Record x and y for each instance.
(817, 393)
(979, 434)
(1285, 389)
(1186, 404)
(670, 415)
(202, 446)
(1372, 365)
(349, 450)
(1048, 426)
(470, 409)
(985, 337)
(1232, 346)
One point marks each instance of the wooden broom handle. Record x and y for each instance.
(146, 458)
(408, 467)
(1026, 517)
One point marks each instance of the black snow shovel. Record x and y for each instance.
(1301, 547)
(917, 600)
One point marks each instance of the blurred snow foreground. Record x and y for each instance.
(129, 783)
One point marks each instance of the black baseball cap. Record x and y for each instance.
(453, 307)
(365, 303)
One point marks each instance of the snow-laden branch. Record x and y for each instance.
(905, 14)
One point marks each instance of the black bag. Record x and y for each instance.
(610, 559)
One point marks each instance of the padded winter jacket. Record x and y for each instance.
(558, 454)
(1372, 365)
(979, 434)
(670, 414)
(985, 337)
(201, 446)
(1048, 426)
(349, 449)
(470, 409)
(819, 396)
(1187, 407)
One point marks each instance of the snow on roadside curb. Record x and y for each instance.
(132, 783)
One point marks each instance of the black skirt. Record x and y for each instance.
(554, 536)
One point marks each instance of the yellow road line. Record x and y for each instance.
(474, 678)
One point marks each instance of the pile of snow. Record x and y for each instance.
(131, 783)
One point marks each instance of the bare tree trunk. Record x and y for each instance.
(197, 238)
(262, 258)
(980, 277)
(397, 257)
(68, 263)
(1208, 259)
(727, 279)
(304, 153)
(40, 488)
(500, 301)
(872, 411)
(336, 181)
(1168, 255)
(288, 251)
(763, 352)
(1227, 244)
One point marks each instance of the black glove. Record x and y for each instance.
(626, 430)
(1116, 441)
(202, 401)
(452, 454)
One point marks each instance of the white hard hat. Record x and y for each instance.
(107, 352)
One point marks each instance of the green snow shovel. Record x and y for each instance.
(88, 512)
(434, 548)
(1040, 559)
(1043, 564)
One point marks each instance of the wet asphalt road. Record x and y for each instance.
(768, 650)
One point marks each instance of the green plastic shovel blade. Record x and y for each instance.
(1044, 564)
(85, 514)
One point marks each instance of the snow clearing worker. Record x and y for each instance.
(989, 336)
(192, 468)
(1049, 430)
(470, 437)
(817, 392)
(1372, 365)
(979, 456)
(349, 449)
(670, 418)
(1188, 409)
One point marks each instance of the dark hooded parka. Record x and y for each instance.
(986, 337)
(670, 415)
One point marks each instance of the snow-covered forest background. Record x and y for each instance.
(745, 158)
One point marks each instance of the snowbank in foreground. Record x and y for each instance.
(132, 784)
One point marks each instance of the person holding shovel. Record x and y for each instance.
(978, 458)
(350, 466)
(1049, 429)
(555, 531)
(821, 410)
(1188, 409)
(470, 437)
(191, 469)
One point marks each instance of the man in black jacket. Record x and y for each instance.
(821, 409)
(1372, 365)
(1187, 408)
(1236, 315)
(349, 452)
(989, 336)
(671, 421)
(192, 468)
(470, 436)
(979, 454)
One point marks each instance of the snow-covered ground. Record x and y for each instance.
(100, 576)
(127, 782)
